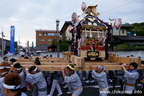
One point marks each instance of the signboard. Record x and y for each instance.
(92, 53)
(4, 45)
(12, 35)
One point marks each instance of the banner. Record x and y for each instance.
(12, 35)
(32, 44)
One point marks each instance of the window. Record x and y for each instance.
(49, 39)
(122, 31)
(50, 34)
(58, 34)
(40, 39)
(45, 34)
(40, 34)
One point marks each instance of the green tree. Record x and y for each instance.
(53, 43)
(125, 47)
(138, 28)
(63, 46)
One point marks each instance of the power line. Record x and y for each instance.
(118, 7)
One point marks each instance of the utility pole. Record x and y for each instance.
(28, 47)
(2, 50)
(2, 45)
(19, 44)
(57, 36)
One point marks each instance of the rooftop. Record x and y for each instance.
(67, 23)
(45, 30)
(130, 38)
(42, 47)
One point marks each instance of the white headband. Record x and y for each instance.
(18, 68)
(35, 69)
(5, 67)
(11, 86)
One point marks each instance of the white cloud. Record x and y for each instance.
(14, 19)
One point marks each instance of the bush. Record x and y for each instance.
(140, 48)
(125, 47)
(63, 46)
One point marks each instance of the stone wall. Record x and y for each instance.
(128, 53)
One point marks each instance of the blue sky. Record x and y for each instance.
(29, 15)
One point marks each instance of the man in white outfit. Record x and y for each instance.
(101, 77)
(131, 77)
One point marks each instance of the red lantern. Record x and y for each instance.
(83, 6)
(118, 23)
(50, 50)
(74, 18)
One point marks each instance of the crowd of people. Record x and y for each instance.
(14, 81)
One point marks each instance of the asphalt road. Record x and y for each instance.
(89, 90)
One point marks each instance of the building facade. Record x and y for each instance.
(7, 46)
(44, 37)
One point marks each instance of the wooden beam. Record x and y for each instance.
(80, 62)
(45, 63)
(91, 63)
(107, 67)
(75, 60)
(124, 60)
(113, 59)
(86, 68)
(46, 67)
(34, 57)
(72, 58)
(43, 60)
(29, 60)
(138, 61)
(105, 61)
(66, 55)
(53, 58)
(110, 67)
(114, 54)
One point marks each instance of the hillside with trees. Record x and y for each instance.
(138, 28)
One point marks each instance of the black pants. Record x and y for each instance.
(143, 90)
(110, 75)
(120, 81)
(90, 75)
(130, 95)
(24, 89)
(84, 73)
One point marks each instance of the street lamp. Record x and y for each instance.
(57, 36)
